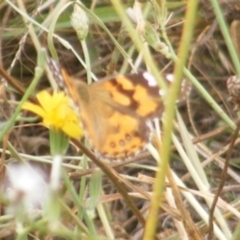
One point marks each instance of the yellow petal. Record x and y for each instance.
(46, 101)
(34, 108)
(73, 130)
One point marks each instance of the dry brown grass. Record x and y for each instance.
(92, 206)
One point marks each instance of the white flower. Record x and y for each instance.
(80, 22)
(25, 187)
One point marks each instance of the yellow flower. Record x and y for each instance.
(56, 112)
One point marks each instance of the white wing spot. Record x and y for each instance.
(151, 80)
(170, 77)
(162, 92)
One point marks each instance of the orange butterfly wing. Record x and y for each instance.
(115, 113)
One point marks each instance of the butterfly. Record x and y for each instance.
(116, 112)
